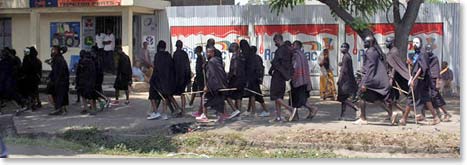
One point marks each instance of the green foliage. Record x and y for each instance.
(279, 5)
(362, 10)
(92, 137)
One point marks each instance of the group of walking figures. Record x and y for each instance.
(383, 79)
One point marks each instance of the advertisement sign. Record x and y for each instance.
(315, 38)
(193, 36)
(73, 3)
(65, 34)
(431, 33)
(151, 40)
(89, 32)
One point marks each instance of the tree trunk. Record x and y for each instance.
(348, 19)
(403, 28)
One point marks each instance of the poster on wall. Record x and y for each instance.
(43, 3)
(148, 32)
(431, 33)
(151, 40)
(315, 38)
(89, 32)
(193, 36)
(65, 34)
(73, 3)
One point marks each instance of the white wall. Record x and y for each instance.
(45, 20)
(19, 32)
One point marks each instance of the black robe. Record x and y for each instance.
(423, 82)
(398, 73)
(198, 84)
(60, 79)
(163, 78)
(32, 72)
(182, 71)
(436, 97)
(237, 75)
(375, 78)
(255, 83)
(86, 78)
(281, 70)
(124, 73)
(99, 71)
(346, 84)
(216, 79)
(7, 79)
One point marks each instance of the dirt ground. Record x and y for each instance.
(131, 119)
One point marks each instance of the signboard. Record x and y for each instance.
(431, 33)
(73, 3)
(193, 36)
(65, 34)
(315, 38)
(89, 32)
(148, 33)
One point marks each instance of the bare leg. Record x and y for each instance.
(436, 120)
(312, 111)
(84, 105)
(231, 104)
(343, 106)
(155, 104)
(183, 98)
(238, 104)
(278, 108)
(252, 104)
(117, 94)
(192, 100)
(93, 105)
(403, 121)
(50, 98)
(127, 93)
(446, 116)
(363, 110)
(264, 107)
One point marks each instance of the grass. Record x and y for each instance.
(192, 145)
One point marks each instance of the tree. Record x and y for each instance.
(356, 13)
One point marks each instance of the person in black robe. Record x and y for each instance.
(210, 43)
(182, 74)
(162, 81)
(446, 77)
(374, 85)
(86, 82)
(60, 79)
(398, 75)
(255, 84)
(32, 71)
(420, 82)
(199, 81)
(251, 81)
(281, 71)
(300, 83)
(7, 79)
(216, 79)
(236, 78)
(124, 74)
(436, 98)
(346, 83)
(104, 100)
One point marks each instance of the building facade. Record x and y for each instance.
(74, 23)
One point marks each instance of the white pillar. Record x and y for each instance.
(34, 30)
(127, 31)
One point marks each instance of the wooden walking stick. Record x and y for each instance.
(413, 95)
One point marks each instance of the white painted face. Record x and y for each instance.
(417, 43)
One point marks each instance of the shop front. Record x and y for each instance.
(75, 23)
